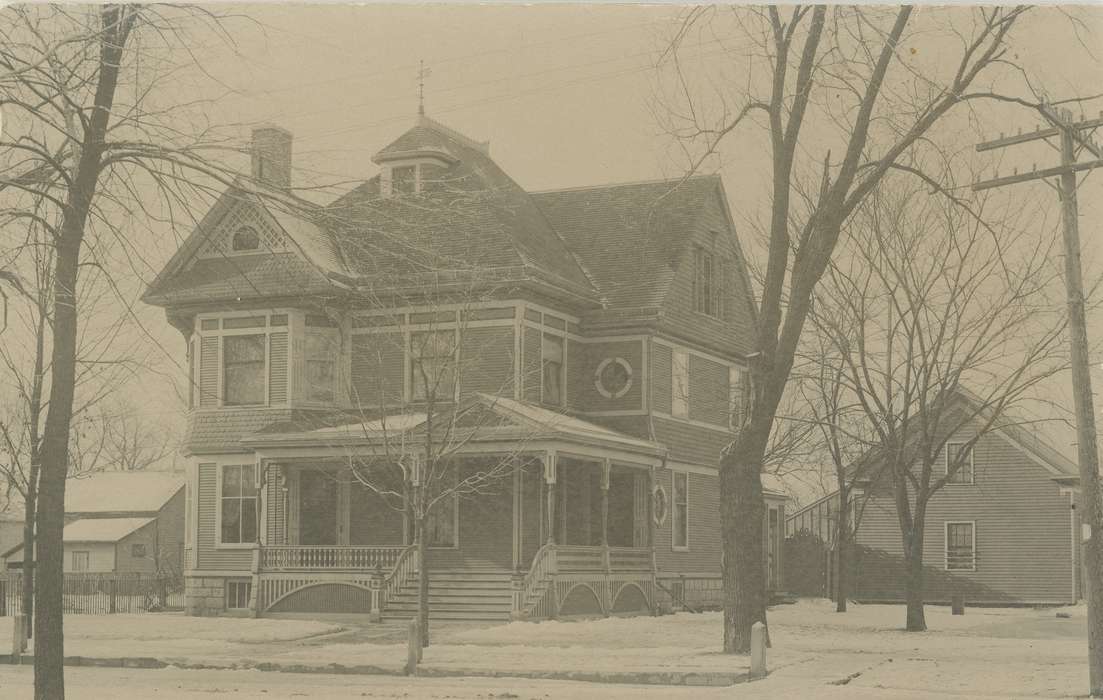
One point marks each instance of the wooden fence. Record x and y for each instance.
(102, 593)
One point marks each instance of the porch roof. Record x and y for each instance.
(474, 423)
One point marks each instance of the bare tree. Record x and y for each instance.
(86, 160)
(944, 324)
(841, 102)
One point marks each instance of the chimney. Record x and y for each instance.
(271, 156)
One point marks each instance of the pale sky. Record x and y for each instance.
(561, 92)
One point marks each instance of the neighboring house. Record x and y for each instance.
(608, 327)
(125, 522)
(11, 532)
(1004, 530)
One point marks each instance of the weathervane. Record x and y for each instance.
(422, 74)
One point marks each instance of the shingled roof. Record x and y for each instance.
(629, 236)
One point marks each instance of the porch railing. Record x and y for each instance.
(404, 569)
(328, 558)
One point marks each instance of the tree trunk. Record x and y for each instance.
(49, 653)
(30, 501)
(742, 510)
(842, 547)
(422, 582)
(913, 580)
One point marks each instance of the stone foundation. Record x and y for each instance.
(204, 595)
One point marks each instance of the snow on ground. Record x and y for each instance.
(985, 653)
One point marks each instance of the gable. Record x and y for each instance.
(218, 242)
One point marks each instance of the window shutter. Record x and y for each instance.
(277, 368)
(191, 374)
(208, 372)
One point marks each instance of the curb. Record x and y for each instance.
(685, 678)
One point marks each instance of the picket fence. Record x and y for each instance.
(102, 593)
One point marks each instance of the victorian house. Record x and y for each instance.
(575, 357)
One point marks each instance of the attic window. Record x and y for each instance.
(404, 179)
(246, 238)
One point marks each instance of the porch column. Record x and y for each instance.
(517, 514)
(606, 467)
(651, 513)
(550, 479)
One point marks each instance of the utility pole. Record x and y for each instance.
(1075, 137)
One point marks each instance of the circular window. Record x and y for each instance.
(246, 238)
(659, 505)
(613, 377)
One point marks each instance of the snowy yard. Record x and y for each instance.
(987, 652)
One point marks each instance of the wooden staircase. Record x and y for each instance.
(457, 594)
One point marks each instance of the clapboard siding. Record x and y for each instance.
(530, 366)
(209, 555)
(703, 555)
(277, 368)
(587, 393)
(708, 391)
(486, 531)
(729, 331)
(378, 369)
(208, 373)
(486, 361)
(1023, 532)
(691, 443)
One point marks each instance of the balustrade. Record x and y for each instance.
(328, 558)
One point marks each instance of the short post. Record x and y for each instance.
(376, 586)
(112, 584)
(18, 637)
(758, 650)
(413, 647)
(517, 589)
(957, 603)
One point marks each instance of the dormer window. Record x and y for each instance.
(404, 179)
(246, 238)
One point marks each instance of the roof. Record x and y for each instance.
(484, 417)
(121, 492)
(102, 529)
(630, 237)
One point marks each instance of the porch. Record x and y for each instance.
(564, 535)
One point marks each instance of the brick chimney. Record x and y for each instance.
(271, 156)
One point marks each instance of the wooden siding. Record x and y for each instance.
(486, 361)
(125, 561)
(277, 368)
(530, 366)
(729, 331)
(587, 394)
(708, 391)
(169, 533)
(662, 380)
(101, 556)
(209, 555)
(703, 555)
(378, 369)
(577, 376)
(1023, 538)
(371, 520)
(208, 373)
(691, 443)
(486, 531)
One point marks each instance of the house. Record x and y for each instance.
(11, 531)
(598, 333)
(121, 522)
(1003, 530)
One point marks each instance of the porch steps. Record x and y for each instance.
(455, 594)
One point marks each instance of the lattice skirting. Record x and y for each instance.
(314, 593)
(595, 595)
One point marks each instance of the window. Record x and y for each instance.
(680, 509)
(706, 282)
(553, 370)
(404, 179)
(959, 455)
(138, 551)
(679, 400)
(246, 238)
(432, 365)
(440, 526)
(243, 370)
(239, 504)
(237, 594)
(321, 366)
(80, 560)
(961, 546)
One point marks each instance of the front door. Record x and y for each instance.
(317, 507)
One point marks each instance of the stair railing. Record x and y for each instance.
(544, 568)
(404, 569)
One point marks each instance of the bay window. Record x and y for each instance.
(243, 370)
(432, 365)
(238, 504)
